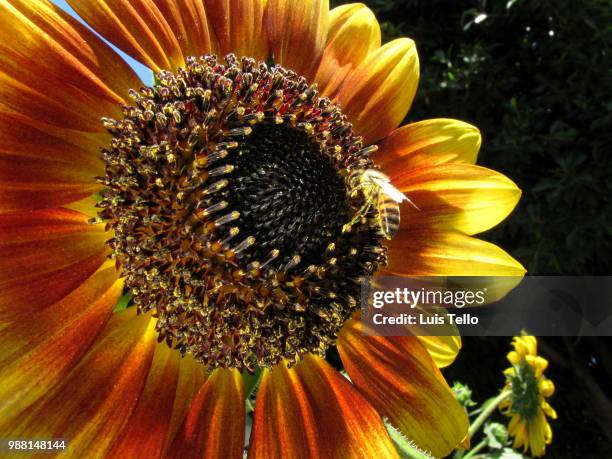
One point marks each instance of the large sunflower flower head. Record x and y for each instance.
(526, 405)
(227, 202)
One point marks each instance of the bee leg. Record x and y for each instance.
(355, 190)
(346, 228)
(358, 216)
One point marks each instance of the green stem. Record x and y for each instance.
(249, 405)
(479, 421)
(476, 449)
(482, 417)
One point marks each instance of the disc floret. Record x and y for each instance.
(226, 193)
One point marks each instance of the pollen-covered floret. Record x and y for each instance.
(226, 191)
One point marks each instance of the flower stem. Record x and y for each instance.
(475, 450)
(485, 412)
(491, 407)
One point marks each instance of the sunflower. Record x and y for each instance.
(526, 405)
(215, 203)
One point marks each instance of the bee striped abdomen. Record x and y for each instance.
(389, 215)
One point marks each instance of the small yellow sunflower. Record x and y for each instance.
(217, 199)
(527, 406)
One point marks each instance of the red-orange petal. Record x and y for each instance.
(38, 38)
(191, 378)
(41, 170)
(311, 411)
(50, 126)
(238, 27)
(190, 22)
(461, 197)
(91, 405)
(40, 183)
(377, 95)
(399, 378)
(45, 255)
(137, 27)
(51, 104)
(428, 143)
(170, 388)
(41, 348)
(353, 33)
(296, 33)
(284, 423)
(214, 426)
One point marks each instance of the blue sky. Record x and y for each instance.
(143, 72)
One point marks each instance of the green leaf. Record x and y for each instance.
(123, 302)
(251, 381)
(463, 394)
(506, 453)
(496, 434)
(405, 447)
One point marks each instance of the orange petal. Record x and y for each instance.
(428, 143)
(399, 378)
(45, 255)
(55, 72)
(238, 26)
(171, 386)
(284, 423)
(90, 406)
(50, 127)
(189, 20)
(353, 33)
(377, 95)
(439, 253)
(42, 43)
(40, 183)
(214, 426)
(442, 349)
(27, 133)
(86, 206)
(191, 378)
(50, 103)
(465, 443)
(39, 170)
(296, 33)
(40, 349)
(137, 27)
(463, 197)
(311, 411)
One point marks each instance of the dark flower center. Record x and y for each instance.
(288, 194)
(227, 189)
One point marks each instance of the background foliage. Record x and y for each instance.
(535, 77)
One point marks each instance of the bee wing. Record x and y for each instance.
(393, 192)
(390, 190)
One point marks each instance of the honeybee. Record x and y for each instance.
(378, 191)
